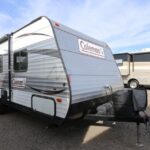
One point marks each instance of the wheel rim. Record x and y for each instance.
(133, 84)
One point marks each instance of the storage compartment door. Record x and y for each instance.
(44, 105)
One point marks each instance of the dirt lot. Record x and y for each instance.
(19, 131)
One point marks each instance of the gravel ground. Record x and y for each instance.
(23, 132)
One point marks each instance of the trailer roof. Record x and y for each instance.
(65, 29)
(76, 33)
(132, 53)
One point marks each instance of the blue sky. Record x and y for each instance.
(123, 24)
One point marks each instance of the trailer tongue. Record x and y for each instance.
(128, 105)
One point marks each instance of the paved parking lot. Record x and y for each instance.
(19, 131)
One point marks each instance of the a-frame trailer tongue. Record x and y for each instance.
(128, 105)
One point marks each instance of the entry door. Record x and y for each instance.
(5, 68)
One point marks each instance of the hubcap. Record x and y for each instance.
(133, 84)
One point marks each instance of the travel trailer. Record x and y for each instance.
(51, 70)
(134, 68)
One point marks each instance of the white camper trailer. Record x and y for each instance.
(54, 71)
(134, 68)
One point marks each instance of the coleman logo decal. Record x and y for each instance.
(91, 49)
(19, 82)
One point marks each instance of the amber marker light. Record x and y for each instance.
(57, 24)
(58, 100)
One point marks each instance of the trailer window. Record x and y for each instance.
(20, 61)
(1, 64)
(141, 57)
(119, 62)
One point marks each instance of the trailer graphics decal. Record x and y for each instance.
(19, 82)
(91, 49)
(48, 92)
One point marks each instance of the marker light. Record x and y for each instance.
(57, 24)
(69, 78)
(58, 100)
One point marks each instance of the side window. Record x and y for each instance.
(119, 62)
(1, 64)
(120, 58)
(21, 61)
(141, 57)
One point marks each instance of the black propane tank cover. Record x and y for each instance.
(123, 104)
(139, 99)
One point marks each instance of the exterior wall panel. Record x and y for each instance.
(89, 75)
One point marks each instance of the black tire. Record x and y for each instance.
(133, 84)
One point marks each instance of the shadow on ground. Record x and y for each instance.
(22, 132)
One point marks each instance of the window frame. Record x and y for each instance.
(25, 70)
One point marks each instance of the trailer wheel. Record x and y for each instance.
(133, 84)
